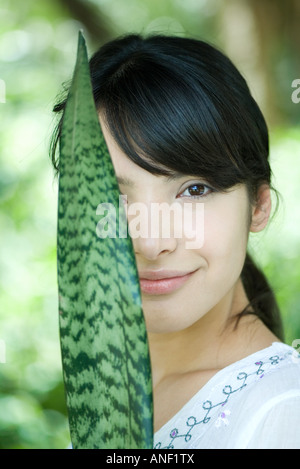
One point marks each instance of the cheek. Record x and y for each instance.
(193, 225)
(226, 236)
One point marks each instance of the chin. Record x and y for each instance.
(166, 323)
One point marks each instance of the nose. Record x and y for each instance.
(152, 237)
(153, 248)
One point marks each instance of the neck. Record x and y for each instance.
(202, 346)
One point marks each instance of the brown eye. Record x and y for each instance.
(196, 190)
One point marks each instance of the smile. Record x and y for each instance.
(162, 282)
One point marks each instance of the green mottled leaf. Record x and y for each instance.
(104, 346)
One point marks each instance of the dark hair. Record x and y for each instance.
(177, 104)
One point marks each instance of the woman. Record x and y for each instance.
(181, 126)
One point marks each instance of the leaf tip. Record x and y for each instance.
(81, 39)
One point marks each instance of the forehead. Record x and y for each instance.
(127, 171)
(125, 168)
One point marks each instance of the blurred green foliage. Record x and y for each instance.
(37, 52)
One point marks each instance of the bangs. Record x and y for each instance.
(167, 124)
(178, 105)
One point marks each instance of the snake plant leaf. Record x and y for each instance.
(105, 356)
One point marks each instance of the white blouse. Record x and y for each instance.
(253, 403)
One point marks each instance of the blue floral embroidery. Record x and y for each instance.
(208, 406)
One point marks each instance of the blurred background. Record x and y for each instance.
(38, 42)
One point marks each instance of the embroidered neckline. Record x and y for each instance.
(205, 412)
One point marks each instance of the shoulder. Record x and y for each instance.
(263, 375)
(234, 409)
(277, 372)
(271, 404)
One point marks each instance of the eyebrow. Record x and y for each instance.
(124, 181)
(172, 176)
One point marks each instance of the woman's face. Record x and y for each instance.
(192, 270)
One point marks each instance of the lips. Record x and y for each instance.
(163, 281)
